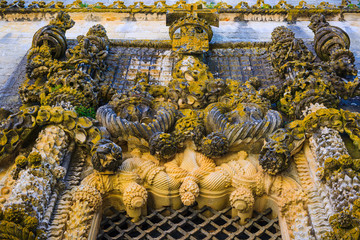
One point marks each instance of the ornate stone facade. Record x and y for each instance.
(79, 145)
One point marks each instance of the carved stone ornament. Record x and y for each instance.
(81, 144)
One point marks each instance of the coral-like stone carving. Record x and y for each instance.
(193, 85)
(135, 196)
(53, 35)
(317, 196)
(52, 82)
(106, 156)
(82, 129)
(180, 144)
(332, 44)
(56, 226)
(163, 146)
(39, 175)
(275, 155)
(296, 63)
(86, 200)
(215, 145)
(339, 172)
(189, 191)
(345, 224)
(186, 128)
(335, 167)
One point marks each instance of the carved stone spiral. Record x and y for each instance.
(118, 126)
(53, 37)
(327, 38)
(247, 131)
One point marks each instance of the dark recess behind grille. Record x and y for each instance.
(189, 223)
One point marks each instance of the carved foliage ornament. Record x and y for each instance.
(181, 141)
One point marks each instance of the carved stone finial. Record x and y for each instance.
(242, 199)
(135, 196)
(189, 191)
(63, 21)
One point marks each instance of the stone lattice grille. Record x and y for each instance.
(239, 64)
(189, 223)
